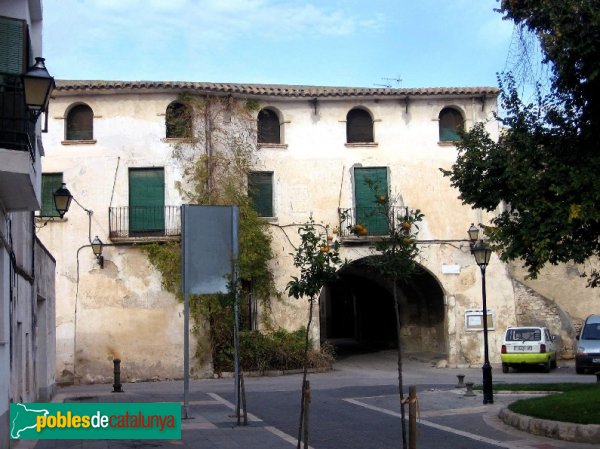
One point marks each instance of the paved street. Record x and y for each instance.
(354, 406)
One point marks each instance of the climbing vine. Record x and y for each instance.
(214, 152)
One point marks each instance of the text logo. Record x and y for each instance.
(82, 421)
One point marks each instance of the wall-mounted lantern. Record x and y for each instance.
(37, 87)
(97, 249)
(62, 200)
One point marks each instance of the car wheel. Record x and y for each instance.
(547, 366)
(554, 363)
(505, 368)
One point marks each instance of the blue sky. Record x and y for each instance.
(426, 43)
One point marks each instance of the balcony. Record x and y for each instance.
(364, 224)
(144, 223)
(18, 173)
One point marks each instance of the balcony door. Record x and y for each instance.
(146, 201)
(369, 184)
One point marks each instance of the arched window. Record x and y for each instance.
(268, 127)
(178, 121)
(451, 124)
(80, 123)
(359, 126)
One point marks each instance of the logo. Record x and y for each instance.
(87, 421)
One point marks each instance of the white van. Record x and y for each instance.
(587, 356)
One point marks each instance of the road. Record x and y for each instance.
(356, 406)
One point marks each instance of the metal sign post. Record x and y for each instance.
(209, 252)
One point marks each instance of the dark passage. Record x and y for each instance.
(357, 312)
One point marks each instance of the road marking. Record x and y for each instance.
(275, 431)
(462, 433)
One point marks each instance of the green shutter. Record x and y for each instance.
(369, 183)
(13, 48)
(260, 190)
(147, 201)
(50, 183)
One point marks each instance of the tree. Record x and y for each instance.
(543, 169)
(318, 261)
(395, 261)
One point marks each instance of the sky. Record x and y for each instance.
(359, 43)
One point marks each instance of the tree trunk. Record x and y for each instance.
(400, 386)
(304, 375)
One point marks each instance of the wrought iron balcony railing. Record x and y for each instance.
(17, 132)
(373, 221)
(147, 223)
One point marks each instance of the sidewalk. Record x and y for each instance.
(212, 423)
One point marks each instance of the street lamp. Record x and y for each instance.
(37, 87)
(97, 249)
(482, 253)
(62, 202)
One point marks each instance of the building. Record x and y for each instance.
(113, 142)
(27, 325)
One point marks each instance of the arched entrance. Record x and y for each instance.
(357, 309)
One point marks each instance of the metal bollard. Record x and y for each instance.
(461, 383)
(117, 372)
(469, 391)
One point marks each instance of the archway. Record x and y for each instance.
(357, 310)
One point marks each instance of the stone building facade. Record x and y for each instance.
(112, 144)
(27, 328)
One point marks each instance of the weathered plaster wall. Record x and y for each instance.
(121, 310)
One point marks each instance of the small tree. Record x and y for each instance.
(318, 261)
(396, 262)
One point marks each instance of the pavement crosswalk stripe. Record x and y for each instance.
(472, 436)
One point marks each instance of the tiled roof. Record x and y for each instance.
(269, 90)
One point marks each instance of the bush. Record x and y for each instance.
(279, 350)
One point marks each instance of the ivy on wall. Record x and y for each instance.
(214, 157)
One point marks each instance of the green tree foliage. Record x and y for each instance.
(317, 260)
(543, 170)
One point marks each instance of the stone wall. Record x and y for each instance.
(534, 309)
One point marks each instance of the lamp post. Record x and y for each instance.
(482, 253)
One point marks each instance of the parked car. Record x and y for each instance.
(587, 356)
(529, 345)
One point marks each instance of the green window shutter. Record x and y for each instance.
(369, 183)
(260, 190)
(50, 183)
(13, 46)
(147, 201)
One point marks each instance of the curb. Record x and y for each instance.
(576, 433)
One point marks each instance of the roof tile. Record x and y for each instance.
(277, 90)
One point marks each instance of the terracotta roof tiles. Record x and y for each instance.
(269, 90)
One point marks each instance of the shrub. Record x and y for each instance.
(278, 350)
